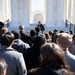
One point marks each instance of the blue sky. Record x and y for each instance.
(37, 5)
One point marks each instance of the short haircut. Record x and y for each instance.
(64, 40)
(39, 41)
(3, 65)
(4, 30)
(21, 27)
(16, 34)
(32, 32)
(37, 29)
(7, 39)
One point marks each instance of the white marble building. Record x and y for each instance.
(19, 12)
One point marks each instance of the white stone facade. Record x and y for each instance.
(17, 11)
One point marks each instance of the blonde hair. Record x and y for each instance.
(64, 40)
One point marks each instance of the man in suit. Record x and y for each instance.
(14, 59)
(24, 37)
(41, 26)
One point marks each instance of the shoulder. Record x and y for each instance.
(13, 53)
(26, 45)
(70, 55)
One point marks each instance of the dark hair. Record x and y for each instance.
(39, 41)
(7, 39)
(3, 65)
(16, 34)
(32, 33)
(39, 21)
(73, 37)
(71, 32)
(37, 29)
(50, 33)
(1, 24)
(61, 31)
(55, 31)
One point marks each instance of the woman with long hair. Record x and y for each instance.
(52, 61)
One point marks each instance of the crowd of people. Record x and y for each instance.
(37, 53)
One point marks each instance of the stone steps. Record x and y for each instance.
(27, 29)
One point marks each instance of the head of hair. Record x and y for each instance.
(4, 30)
(39, 41)
(64, 40)
(3, 65)
(52, 56)
(71, 32)
(73, 37)
(50, 33)
(32, 33)
(16, 34)
(39, 21)
(21, 27)
(37, 29)
(7, 39)
(55, 31)
(61, 31)
(47, 35)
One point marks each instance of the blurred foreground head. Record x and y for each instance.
(64, 40)
(7, 39)
(52, 56)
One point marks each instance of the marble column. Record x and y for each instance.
(73, 12)
(14, 20)
(1, 12)
(65, 9)
(60, 14)
(4, 10)
(44, 11)
(30, 12)
(8, 9)
(69, 10)
(55, 13)
(49, 13)
(20, 12)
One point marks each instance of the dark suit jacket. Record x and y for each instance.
(47, 71)
(26, 38)
(1, 24)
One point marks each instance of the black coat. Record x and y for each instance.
(47, 71)
(1, 24)
(26, 38)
